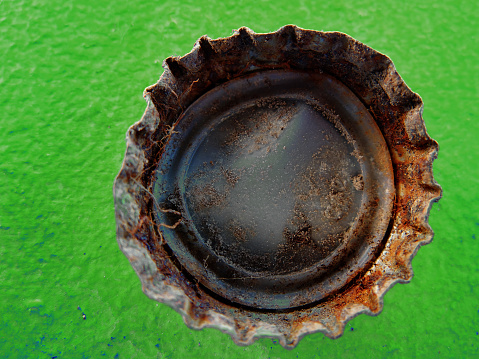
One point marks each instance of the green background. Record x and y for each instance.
(72, 75)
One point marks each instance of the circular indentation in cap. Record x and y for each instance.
(285, 184)
(262, 191)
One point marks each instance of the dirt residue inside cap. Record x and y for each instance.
(262, 157)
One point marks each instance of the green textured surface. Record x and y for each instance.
(71, 80)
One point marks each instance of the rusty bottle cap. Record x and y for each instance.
(277, 185)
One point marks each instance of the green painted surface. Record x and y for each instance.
(71, 80)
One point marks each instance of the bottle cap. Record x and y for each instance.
(278, 184)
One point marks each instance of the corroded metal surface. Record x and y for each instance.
(284, 184)
(393, 106)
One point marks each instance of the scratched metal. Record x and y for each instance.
(194, 196)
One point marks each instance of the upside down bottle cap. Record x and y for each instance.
(278, 184)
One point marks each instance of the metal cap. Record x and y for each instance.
(278, 184)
